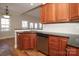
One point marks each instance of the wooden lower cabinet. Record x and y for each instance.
(26, 40)
(33, 39)
(78, 51)
(54, 52)
(57, 45)
(72, 51)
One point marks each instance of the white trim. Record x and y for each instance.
(15, 40)
(6, 37)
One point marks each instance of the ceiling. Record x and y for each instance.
(17, 8)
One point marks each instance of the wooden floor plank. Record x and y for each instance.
(34, 53)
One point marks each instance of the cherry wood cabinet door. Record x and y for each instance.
(73, 11)
(71, 51)
(77, 51)
(42, 17)
(51, 12)
(26, 41)
(78, 9)
(57, 45)
(33, 39)
(63, 43)
(43, 9)
(62, 12)
(48, 13)
(53, 45)
(19, 41)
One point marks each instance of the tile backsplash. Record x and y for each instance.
(62, 28)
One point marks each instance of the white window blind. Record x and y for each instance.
(36, 25)
(24, 24)
(40, 25)
(31, 25)
(5, 24)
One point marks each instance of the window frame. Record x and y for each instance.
(23, 25)
(5, 24)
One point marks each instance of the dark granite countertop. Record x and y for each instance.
(73, 38)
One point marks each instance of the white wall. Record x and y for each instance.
(62, 28)
(15, 23)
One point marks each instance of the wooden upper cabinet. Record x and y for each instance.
(51, 17)
(73, 11)
(61, 12)
(78, 9)
(67, 12)
(42, 13)
(48, 13)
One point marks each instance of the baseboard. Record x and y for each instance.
(6, 37)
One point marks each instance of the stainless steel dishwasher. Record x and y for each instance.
(42, 43)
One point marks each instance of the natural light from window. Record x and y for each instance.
(36, 25)
(31, 25)
(40, 25)
(5, 24)
(24, 24)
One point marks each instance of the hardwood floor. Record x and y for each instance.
(34, 53)
(7, 49)
(6, 45)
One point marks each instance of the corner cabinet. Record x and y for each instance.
(60, 12)
(26, 40)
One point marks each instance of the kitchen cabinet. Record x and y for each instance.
(19, 41)
(67, 12)
(47, 13)
(72, 51)
(60, 12)
(73, 11)
(43, 13)
(78, 9)
(78, 13)
(26, 40)
(57, 45)
(52, 45)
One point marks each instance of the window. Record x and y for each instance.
(36, 25)
(31, 25)
(5, 24)
(24, 24)
(40, 25)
